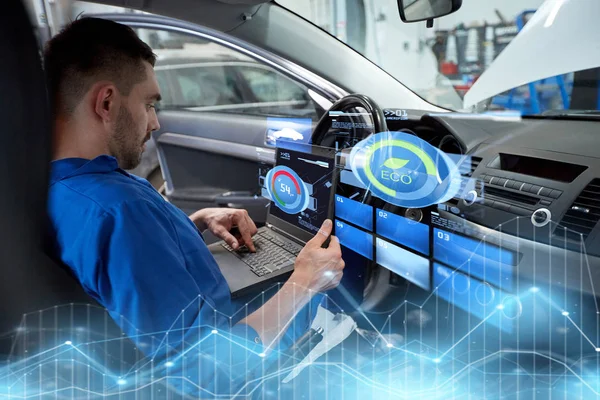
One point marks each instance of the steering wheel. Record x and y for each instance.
(320, 135)
(323, 135)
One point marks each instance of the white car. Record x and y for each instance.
(287, 133)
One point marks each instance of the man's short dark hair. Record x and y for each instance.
(89, 50)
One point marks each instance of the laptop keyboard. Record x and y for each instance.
(272, 253)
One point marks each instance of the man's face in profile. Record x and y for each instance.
(135, 121)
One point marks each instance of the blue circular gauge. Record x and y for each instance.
(404, 170)
(287, 191)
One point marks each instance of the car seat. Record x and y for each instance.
(40, 302)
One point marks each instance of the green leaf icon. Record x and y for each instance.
(395, 163)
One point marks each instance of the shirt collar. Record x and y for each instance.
(68, 167)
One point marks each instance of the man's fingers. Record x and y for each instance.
(247, 229)
(230, 240)
(252, 229)
(248, 242)
(322, 235)
(334, 246)
(336, 281)
(252, 225)
(222, 233)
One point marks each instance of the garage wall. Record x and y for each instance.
(479, 11)
(400, 48)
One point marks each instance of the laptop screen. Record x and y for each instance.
(300, 188)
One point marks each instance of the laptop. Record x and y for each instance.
(301, 188)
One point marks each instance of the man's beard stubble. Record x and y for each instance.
(125, 145)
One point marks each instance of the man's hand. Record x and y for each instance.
(220, 221)
(320, 269)
(316, 270)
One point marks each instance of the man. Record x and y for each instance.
(136, 254)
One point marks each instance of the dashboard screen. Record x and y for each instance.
(301, 187)
(410, 266)
(349, 127)
(538, 167)
(407, 232)
(354, 211)
(355, 239)
(284, 131)
(477, 258)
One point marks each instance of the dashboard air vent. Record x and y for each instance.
(583, 215)
(466, 169)
(468, 166)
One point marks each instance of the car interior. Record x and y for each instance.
(528, 190)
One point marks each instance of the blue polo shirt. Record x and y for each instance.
(145, 261)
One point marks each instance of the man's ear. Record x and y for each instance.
(106, 102)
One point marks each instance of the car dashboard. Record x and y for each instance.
(527, 210)
(537, 190)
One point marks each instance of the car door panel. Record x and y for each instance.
(211, 162)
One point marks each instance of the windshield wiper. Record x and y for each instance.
(571, 112)
(567, 114)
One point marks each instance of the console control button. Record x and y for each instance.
(470, 198)
(535, 189)
(545, 192)
(555, 194)
(541, 217)
(517, 185)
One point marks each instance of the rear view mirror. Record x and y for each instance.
(426, 10)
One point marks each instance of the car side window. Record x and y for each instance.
(205, 86)
(275, 94)
(199, 75)
(268, 86)
(165, 88)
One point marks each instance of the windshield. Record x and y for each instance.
(459, 64)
